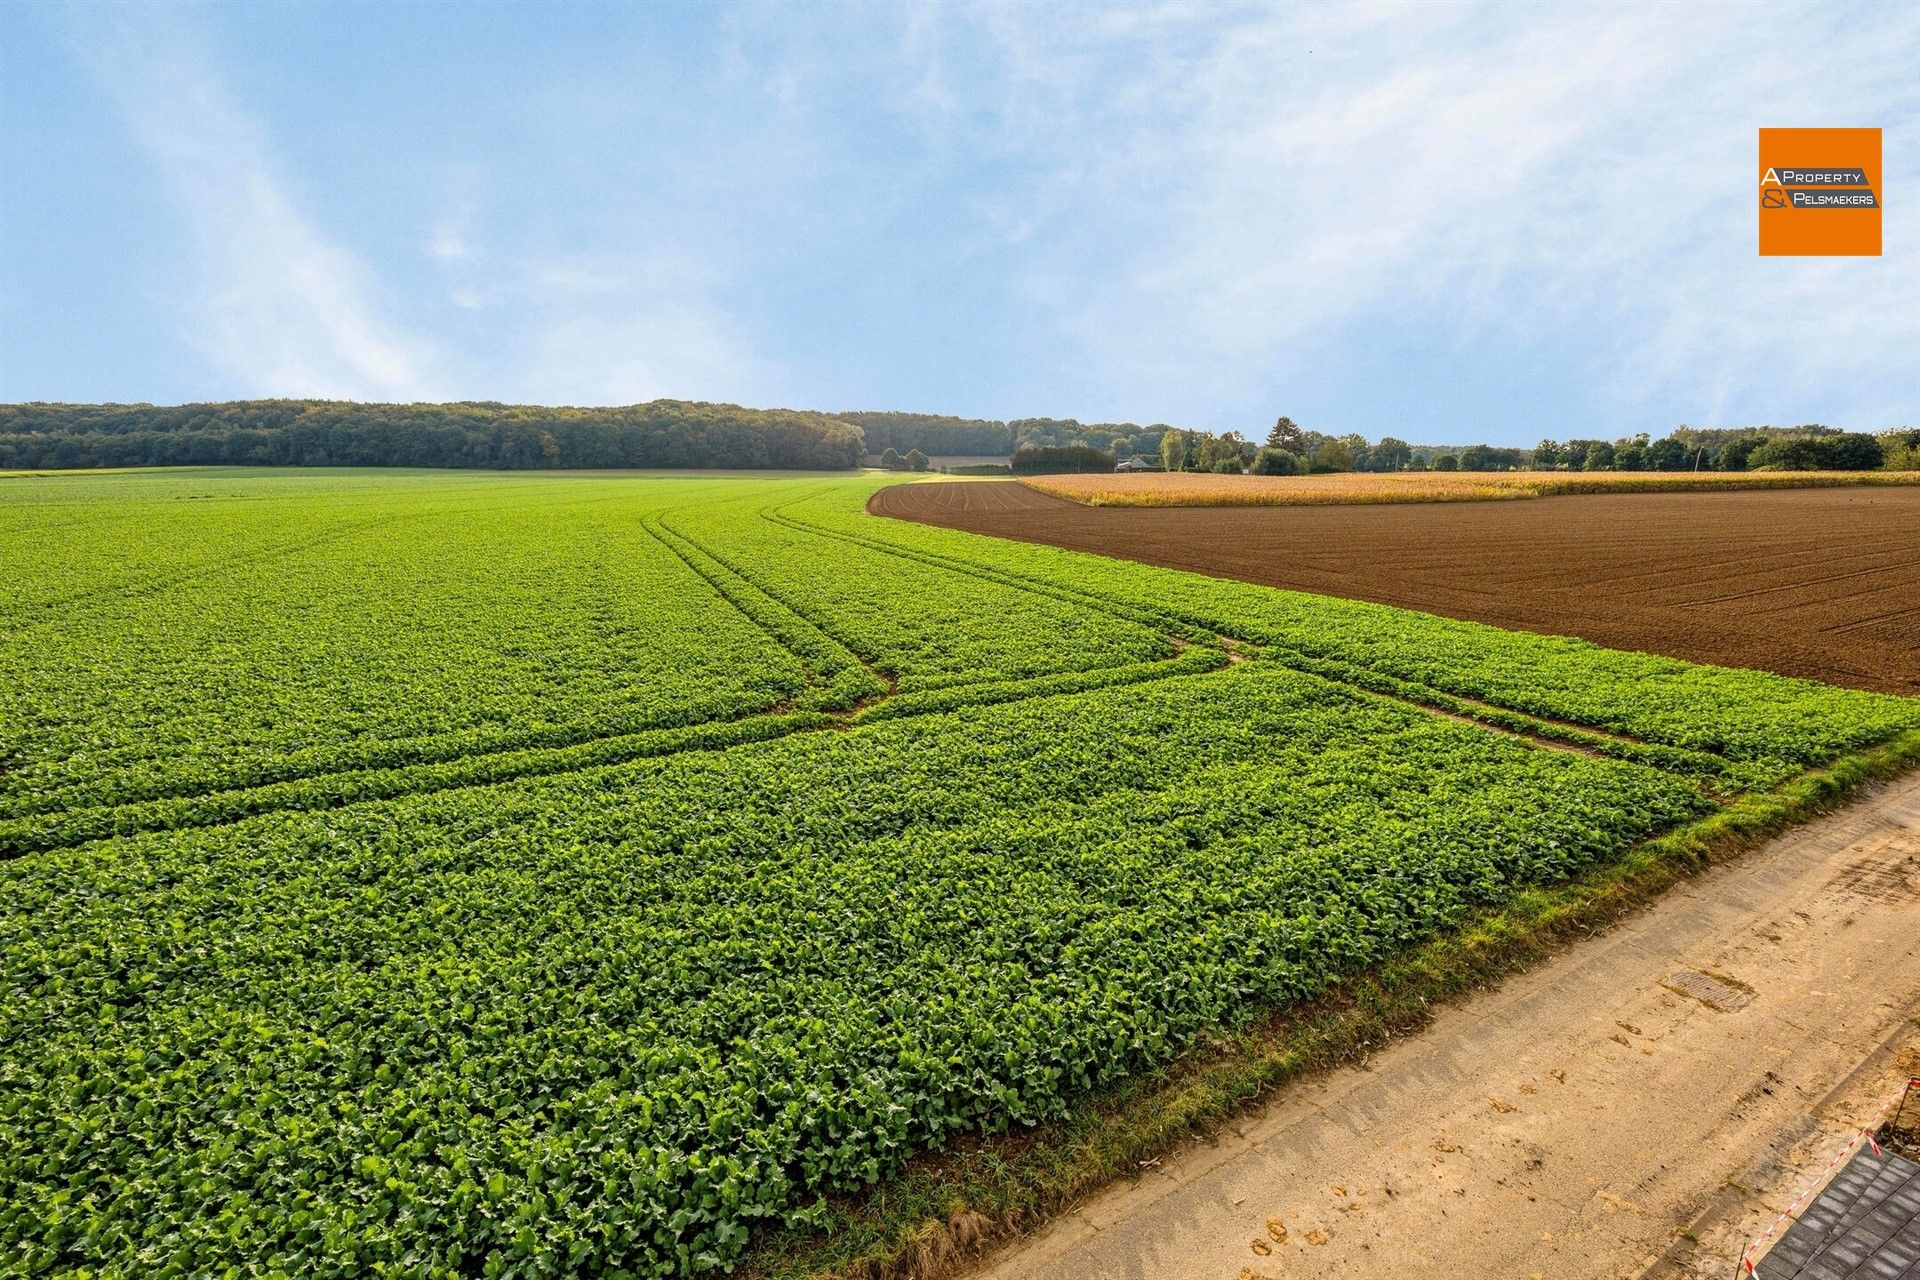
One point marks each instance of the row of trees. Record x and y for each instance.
(676, 433)
(1808, 448)
(1290, 449)
(663, 433)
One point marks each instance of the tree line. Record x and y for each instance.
(1054, 459)
(1290, 449)
(663, 433)
(686, 434)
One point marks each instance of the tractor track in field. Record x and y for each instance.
(1543, 731)
(406, 753)
(816, 649)
(65, 828)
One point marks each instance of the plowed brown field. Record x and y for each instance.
(1822, 583)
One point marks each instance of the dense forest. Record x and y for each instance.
(943, 437)
(663, 433)
(678, 433)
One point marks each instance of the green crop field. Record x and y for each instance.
(460, 874)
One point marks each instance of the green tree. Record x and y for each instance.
(1573, 454)
(1735, 453)
(1050, 459)
(1900, 450)
(1332, 456)
(1846, 451)
(1277, 462)
(916, 460)
(889, 460)
(1210, 451)
(1446, 462)
(1546, 455)
(1391, 454)
(1286, 434)
(1173, 449)
(1852, 451)
(1667, 454)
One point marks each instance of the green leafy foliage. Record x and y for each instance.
(545, 876)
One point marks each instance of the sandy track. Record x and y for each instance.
(1819, 583)
(1584, 1120)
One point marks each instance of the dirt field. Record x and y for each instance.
(1643, 1104)
(1822, 583)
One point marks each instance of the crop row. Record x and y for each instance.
(452, 632)
(502, 976)
(613, 1020)
(1731, 775)
(928, 625)
(526, 623)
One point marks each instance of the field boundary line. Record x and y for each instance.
(1159, 625)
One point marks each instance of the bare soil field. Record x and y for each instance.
(1201, 489)
(1820, 583)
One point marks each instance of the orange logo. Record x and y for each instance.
(1819, 193)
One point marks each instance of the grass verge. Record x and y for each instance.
(946, 1207)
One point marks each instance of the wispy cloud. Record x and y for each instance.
(1195, 213)
(449, 242)
(1266, 185)
(612, 329)
(274, 303)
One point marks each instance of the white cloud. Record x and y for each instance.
(1267, 185)
(449, 242)
(273, 303)
(1167, 210)
(611, 329)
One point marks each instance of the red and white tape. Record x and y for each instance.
(1747, 1264)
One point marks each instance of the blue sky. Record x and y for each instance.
(1441, 222)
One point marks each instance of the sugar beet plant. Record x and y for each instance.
(940, 834)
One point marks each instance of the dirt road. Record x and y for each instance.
(1636, 1105)
(1807, 582)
